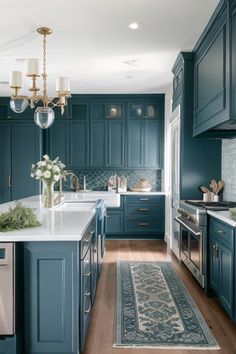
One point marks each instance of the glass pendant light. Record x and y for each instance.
(19, 105)
(44, 117)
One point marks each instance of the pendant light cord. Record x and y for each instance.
(44, 75)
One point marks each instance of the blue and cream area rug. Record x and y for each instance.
(154, 310)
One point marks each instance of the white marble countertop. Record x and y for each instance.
(57, 224)
(223, 216)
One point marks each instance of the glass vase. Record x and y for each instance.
(48, 194)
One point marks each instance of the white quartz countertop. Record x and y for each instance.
(223, 216)
(57, 224)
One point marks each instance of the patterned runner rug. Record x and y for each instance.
(155, 310)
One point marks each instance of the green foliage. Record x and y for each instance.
(18, 218)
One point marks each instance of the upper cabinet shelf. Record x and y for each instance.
(214, 75)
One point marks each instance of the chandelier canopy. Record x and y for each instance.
(44, 115)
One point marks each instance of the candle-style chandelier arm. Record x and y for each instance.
(44, 116)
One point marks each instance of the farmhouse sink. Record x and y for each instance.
(76, 206)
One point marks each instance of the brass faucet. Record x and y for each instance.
(75, 180)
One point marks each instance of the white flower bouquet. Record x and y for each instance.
(49, 172)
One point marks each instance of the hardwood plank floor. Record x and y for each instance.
(100, 333)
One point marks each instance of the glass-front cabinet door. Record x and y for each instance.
(143, 110)
(107, 111)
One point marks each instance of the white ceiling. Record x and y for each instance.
(91, 41)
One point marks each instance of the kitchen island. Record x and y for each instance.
(56, 269)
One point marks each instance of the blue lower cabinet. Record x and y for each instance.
(8, 345)
(51, 297)
(222, 257)
(114, 223)
(140, 216)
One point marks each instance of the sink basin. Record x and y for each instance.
(75, 206)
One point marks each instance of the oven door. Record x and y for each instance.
(191, 248)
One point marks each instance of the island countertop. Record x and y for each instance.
(57, 224)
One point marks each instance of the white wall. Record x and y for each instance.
(166, 177)
(229, 169)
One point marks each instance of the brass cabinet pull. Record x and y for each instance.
(88, 310)
(143, 209)
(143, 224)
(87, 294)
(9, 181)
(87, 274)
(217, 252)
(219, 231)
(143, 199)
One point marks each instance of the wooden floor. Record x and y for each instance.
(100, 333)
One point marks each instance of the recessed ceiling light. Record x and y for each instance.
(132, 62)
(4, 82)
(129, 77)
(135, 25)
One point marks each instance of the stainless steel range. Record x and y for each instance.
(193, 235)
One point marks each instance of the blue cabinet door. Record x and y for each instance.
(5, 162)
(114, 224)
(57, 140)
(98, 144)
(26, 149)
(153, 150)
(115, 143)
(51, 273)
(135, 143)
(226, 278)
(211, 77)
(79, 144)
(215, 267)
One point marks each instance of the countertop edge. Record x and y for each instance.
(222, 216)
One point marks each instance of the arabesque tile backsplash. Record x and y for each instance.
(229, 169)
(98, 179)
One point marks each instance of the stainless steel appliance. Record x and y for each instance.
(7, 289)
(175, 181)
(192, 219)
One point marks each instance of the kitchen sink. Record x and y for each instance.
(76, 206)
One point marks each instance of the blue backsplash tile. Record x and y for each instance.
(98, 179)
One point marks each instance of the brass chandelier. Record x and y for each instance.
(44, 115)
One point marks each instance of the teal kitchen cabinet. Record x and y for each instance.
(5, 162)
(222, 263)
(114, 223)
(57, 141)
(107, 110)
(144, 215)
(51, 297)
(107, 143)
(214, 76)
(192, 149)
(148, 110)
(8, 345)
(145, 143)
(78, 144)
(21, 144)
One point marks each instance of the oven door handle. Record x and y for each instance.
(187, 227)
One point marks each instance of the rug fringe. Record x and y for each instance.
(165, 347)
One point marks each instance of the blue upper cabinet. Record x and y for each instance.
(57, 140)
(214, 73)
(145, 136)
(5, 162)
(104, 110)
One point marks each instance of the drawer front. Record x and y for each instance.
(143, 225)
(224, 233)
(144, 199)
(87, 239)
(143, 209)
